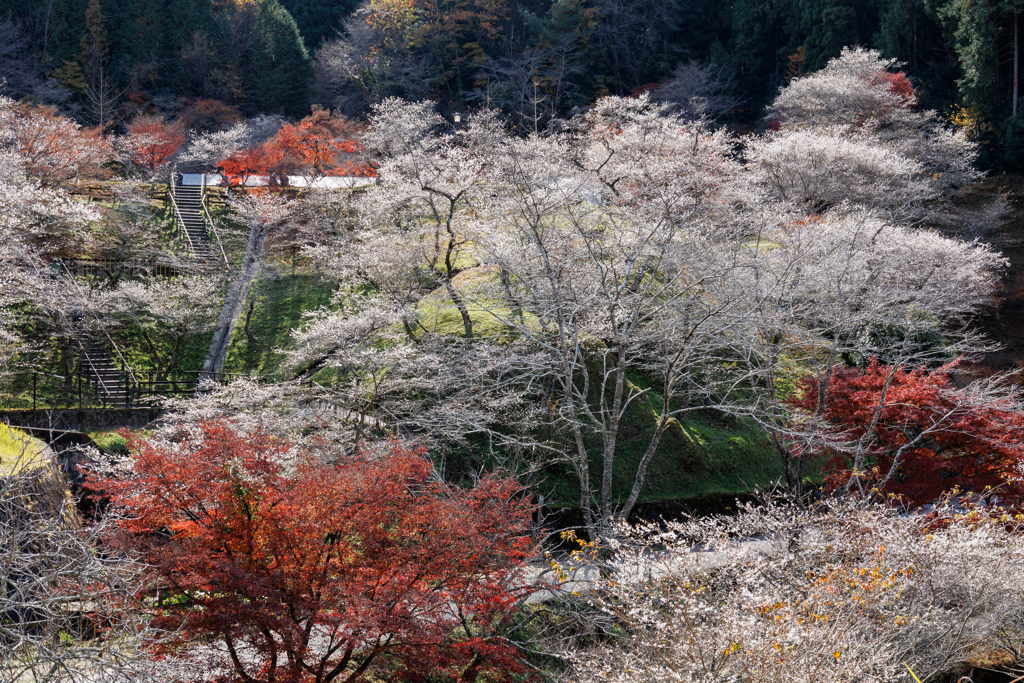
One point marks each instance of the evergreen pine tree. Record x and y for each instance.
(281, 70)
(831, 25)
(319, 19)
(972, 30)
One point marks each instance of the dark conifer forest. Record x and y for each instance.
(105, 61)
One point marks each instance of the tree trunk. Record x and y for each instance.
(515, 306)
(641, 470)
(450, 255)
(467, 321)
(611, 436)
(1016, 61)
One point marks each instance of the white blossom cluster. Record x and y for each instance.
(781, 593)
(849, 125)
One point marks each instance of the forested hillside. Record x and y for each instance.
(533, 59)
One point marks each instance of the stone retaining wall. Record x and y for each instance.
(81, 419)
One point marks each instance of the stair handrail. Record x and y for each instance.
(95, 372)
(181, 221)
(213, 226)
(124, 364)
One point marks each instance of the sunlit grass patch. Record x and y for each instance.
(279, 304)
(19, 451)
(110, 441)
(480, 290)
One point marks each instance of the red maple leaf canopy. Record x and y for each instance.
(318, 572)
(317, 146)
(931, 435)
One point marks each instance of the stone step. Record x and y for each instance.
(192, 221)
(98, 365)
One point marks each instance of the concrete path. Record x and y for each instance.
(653, 565)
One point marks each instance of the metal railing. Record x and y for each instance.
(212, 225)
(39, 390)
(181, 221)
(107, 268)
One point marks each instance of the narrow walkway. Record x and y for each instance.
(237, 293)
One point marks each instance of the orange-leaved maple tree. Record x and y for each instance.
(915, 433)
(264, 159)
(368, 569)
(152, 141)
(319, 145)
(55, 148)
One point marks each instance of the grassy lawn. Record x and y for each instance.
(704, 454)
(110, 441)
(278, 304)
(17, 450)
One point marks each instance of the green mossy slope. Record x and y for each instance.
(278, 303)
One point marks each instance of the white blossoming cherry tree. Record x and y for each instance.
(851, 133)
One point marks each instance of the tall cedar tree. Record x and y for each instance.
(319, 19)
(369, 569)
(917, 425)
(279, 67)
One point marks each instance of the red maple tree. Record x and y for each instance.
(319, 145)
(898, 84)
(918, 434)
(152, 141)
(365, 570)
(261, 160)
